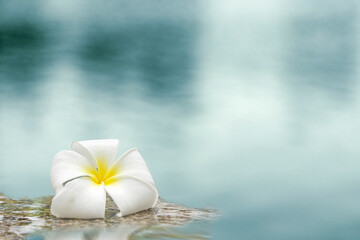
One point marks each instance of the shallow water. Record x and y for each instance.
(31, 219)
(247, 107)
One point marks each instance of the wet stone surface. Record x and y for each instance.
(24, 218)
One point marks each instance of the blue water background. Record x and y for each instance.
(248, 107)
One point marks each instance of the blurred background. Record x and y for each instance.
(248, 107)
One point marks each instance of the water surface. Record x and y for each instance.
(247, 107)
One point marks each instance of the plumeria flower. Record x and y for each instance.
(81, 178)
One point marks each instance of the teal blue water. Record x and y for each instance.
(248, 107)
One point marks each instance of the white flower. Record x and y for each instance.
(81, 178)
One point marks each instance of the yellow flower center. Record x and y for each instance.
(103, 174)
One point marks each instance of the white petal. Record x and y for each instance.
(102, 151)
(66, 166)
(80, 198)
(131, 194)
(131, 163)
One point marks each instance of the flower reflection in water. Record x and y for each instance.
(124, 232)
